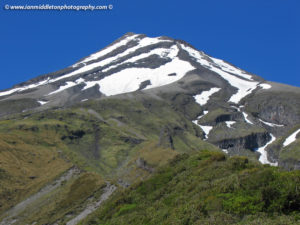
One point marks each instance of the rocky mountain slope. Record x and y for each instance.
(121, 113)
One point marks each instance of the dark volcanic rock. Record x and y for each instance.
(144, 84)
(251, 142)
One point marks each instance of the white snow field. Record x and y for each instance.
(271, 124)
(263, 153)
(206, 129)
(235, 77)
(67, 85)
(128, 80)
(142, 43)
(290, 139)
(42, 102)
(18, 89)
(203, 98)
(107, 50)
(162, 52)
(204, 113)
(225, 150)
(265, 86)
(231, 69)
(230, 123)
(246, 118)
(199, 117)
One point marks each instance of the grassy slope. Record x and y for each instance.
(31, 156)
(28, 161)
(100, 137)
(207, 188)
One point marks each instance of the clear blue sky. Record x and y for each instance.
(260, 36)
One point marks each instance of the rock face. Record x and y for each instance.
(251, 142)
(235, 110)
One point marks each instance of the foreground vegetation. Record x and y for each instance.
(207, 188)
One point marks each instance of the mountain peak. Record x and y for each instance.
(135, 62)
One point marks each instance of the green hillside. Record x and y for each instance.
(207, 188)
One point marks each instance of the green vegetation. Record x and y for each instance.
(28, 161)
(104, 139)
(207, 188)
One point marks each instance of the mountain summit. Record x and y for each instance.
(136, 62)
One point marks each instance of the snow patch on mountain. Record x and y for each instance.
(19, 89)
(263, 153)
(237, 78)
(199, 117)
(120, 82)
(244, 87)
(290, 139)
(107, 49)
(144, 42)
(237, 108)
(129, 79)
(230, 123)
(206, 129)
(231, 69)
(162, 52)
(204, 113)
(265, 86)
(225, 151)
(271, 124)
(123, 82)
(67, 85)
(203, 98)
(246, 118)
(42, 102)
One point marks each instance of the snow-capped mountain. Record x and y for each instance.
(236, 110)
(136, 62)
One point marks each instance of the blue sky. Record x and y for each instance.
(261, 37)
